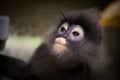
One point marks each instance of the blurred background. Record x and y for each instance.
(30, 19)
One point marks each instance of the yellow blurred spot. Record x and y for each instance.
(111, 15)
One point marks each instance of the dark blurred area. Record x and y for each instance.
(34, 17)
(28, 16)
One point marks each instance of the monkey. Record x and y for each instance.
(72, 51)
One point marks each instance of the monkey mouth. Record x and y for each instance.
(59, 43)
(59, 48)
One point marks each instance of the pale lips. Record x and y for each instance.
(60, 41)
(60, 45)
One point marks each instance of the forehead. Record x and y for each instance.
(67, 24)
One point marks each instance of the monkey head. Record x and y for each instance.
(78, 38)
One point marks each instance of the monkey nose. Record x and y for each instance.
(60, 40)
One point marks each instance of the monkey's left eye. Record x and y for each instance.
(77, 33)
(63, 28)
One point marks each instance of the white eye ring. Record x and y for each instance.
(77, 33)
(63, 28)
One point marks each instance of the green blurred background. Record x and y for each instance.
(30, 19)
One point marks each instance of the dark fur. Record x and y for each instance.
(78, 64)
(10, 68)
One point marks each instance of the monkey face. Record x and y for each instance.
(78, 37)
(68, 34)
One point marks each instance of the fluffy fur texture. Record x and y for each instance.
(77, 61)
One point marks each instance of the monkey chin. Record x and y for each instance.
(59, 49)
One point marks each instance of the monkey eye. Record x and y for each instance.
(63, 28)
(75, 33)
